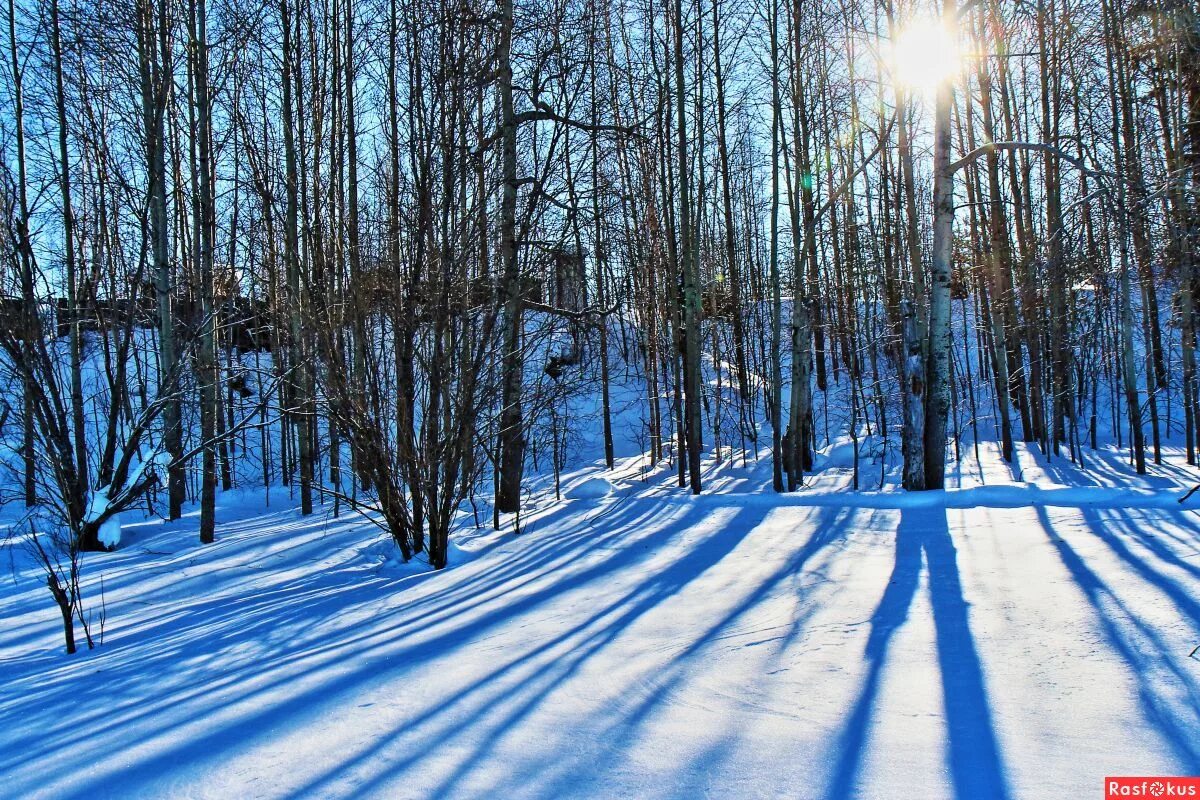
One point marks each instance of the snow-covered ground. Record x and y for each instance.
(636, 642)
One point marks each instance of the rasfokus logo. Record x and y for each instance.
(1151, 787)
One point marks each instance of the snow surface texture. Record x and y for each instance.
(590, 489)
(635, 642)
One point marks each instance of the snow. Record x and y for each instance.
(384, 553)
(1000, 639)
(97, 505)
(161, 460)
(593, 488)
(110, 531)
(1021, 634)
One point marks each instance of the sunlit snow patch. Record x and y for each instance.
(110, 531)
(590, 489)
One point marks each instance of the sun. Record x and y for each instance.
(923, 55)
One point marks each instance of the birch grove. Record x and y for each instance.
(365, 251)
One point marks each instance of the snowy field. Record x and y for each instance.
(635, 643)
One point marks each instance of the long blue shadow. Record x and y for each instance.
(263, 619)
(973, 756)
(1140, 645)
(830, 526)
(386, 650)
(549, 667)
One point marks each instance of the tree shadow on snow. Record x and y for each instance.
(281, 651)
(496, 709)
(973, 752)
(1168, 694)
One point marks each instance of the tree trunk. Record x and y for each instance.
(297, 356)
(77, 485)
(689, 268)
(913, 389)
(512, 432)
(207, 355)
(29, 322)
(937, 405)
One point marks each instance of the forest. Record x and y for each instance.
(433, 270)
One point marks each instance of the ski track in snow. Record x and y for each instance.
(1010, 639)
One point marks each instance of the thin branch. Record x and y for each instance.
(992, 147)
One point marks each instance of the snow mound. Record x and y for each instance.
(590, 489)
(839, 454)
(384, 557)
(110, 532)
